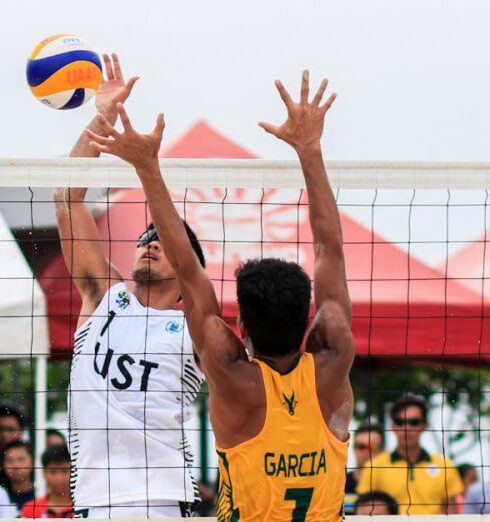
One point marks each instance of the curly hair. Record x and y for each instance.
(274, 301)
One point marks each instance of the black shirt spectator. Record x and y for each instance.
(17, 471)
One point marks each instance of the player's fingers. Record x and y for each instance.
(117, 67)
(329, 102)
(305, 87)
(124, 118)
(108, 67)
(101, 140)
(107, 127)
(268, 127)
(319, 94)
(283, 93)
(130, 84)
(100, 148)
(159, 127)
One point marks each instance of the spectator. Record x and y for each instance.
(17, 472)
(368, 442)
(469, 476)
(7, 509)
(12, 422)
(477, 501)
(420, 482)
(375, 503)
(57, 501)
(54, 437)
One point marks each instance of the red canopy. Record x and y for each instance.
(394, 314)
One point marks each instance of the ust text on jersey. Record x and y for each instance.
(123, 362)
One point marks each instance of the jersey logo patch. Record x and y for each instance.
(290, 403)
(433, 471)
(122, 299)
(174, 327)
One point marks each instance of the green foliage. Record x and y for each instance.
(17, 384)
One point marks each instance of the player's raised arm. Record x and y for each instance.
(201, 305)
(80, 239)
(303, 130)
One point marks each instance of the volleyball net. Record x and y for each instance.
(415, 244)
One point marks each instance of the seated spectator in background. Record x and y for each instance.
(420, 482)
(54, 437)
(57, 501)
(17, 472)
(469, 476)
(375, 503)
(12, 423)
(477, 501)
(368, 442)
(7, 508)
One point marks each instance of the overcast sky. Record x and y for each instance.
(413, 76)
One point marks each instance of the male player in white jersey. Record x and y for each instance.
(281, 420)
(133, 373)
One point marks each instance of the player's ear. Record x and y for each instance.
(241, 328)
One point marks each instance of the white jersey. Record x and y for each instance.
(133, 378)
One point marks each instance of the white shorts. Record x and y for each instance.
(142, 509)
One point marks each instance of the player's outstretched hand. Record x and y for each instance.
(304, 124)
(141, 150)
(113, 88)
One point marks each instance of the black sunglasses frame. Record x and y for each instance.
(147, 237)
(413, 423)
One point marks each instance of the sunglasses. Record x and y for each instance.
(147, 237)
(362, 447)
(414, 423)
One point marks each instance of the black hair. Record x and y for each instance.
(464, 469)
(196, 246)
(407, 401)
(52, 431)
(274, 301)
(366, 426)
(4, 480)
(11, 411)
(377, 497)
(55, 454)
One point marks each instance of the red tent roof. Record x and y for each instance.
(202, 141)
(471, 266)
(426, 316)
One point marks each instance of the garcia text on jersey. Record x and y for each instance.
(292, 465)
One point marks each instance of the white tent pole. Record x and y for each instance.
(41, 417)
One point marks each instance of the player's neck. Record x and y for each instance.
(161, 295)
(280, 363)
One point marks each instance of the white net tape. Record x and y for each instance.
(184, 173)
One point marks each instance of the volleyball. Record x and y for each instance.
(63, 72)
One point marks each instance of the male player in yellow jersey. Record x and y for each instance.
(280, 418)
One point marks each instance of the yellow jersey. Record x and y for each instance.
(294, 469)
(422, 488)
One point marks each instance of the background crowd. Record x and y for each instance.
(406, 480)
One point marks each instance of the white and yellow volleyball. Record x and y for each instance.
(63, 72)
